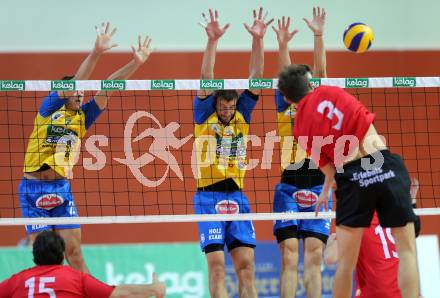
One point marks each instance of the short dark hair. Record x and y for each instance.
(293, 81)
(228, 95)
(48, 249)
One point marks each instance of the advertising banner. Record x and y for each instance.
(182, 266)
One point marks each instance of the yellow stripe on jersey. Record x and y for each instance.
(221, 150)
(55, 141)
(290, 151)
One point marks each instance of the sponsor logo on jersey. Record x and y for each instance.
(228, 131)
(49, 201)
(55, 133)
(215, 127)
(163, 85)
(260, 84)
(404, 82)
(370, 177)
(12, 85)
(113, 85)
(63, 85)
(227, 207)
(212, 84)
(305, 198)
(356, 83)
(56, 116)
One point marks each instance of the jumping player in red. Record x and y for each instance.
(378, 262)
(338, 132)
(52, 279)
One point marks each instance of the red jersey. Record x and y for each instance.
(378, 263)
(53, 281)
(335, 115)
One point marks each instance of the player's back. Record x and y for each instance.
(46, 281)
(338, 113)
(378, 263)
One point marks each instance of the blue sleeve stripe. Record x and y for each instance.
(246, 105)
(280, 103)
(202, 109)
(51, 103)
(91, 111)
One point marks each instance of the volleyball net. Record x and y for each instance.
(137, 162)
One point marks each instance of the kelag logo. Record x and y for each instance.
(212, 84)
(184, 277)
(112, 85)
(163, 85)
(356, 83)
(179, 283)
(63, 85)
(260, 84)
(12, 86)
(404, 82)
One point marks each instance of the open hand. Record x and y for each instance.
(143, 51)
(317, 24)
(103, 40)
(258, 28)
(283, 34)
(212, 26)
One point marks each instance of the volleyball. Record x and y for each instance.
(358, 37)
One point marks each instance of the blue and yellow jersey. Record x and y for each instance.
(54, 141)
(290, 151)
(221, 150)
(296, 166)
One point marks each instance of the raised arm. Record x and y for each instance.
(257, 31)
(103, 43)
(317, 25)
(214, 31)
(140, 55)
(283, 37)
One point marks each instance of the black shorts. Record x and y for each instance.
(384, 189)
(292, 232)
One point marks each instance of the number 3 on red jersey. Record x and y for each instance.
(333, 112)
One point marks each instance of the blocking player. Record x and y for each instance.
(301, 180)
(61, 122)
(222, 121)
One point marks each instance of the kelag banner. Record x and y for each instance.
(181, 266)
